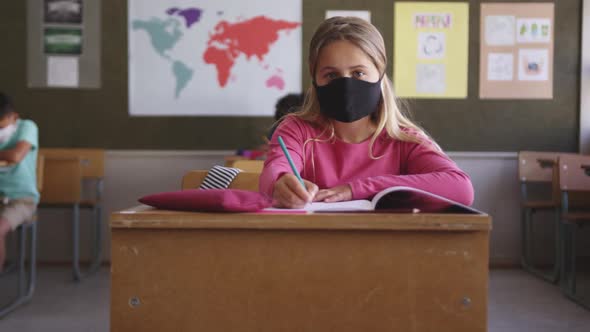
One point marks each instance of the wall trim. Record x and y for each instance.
(167, 153)
(223, 153)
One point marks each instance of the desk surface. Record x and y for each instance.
(146, 217)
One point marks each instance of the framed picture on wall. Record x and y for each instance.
(63, 11)
(63, 41)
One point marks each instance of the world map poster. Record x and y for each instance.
(212, 57)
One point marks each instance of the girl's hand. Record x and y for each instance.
(336, 194)
(288, 192)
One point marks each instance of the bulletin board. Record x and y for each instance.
(516, 57)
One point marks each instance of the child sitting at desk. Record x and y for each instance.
(351, 140)
(18, 184)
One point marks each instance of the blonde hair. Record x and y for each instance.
(365, 36)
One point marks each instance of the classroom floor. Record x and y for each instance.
(518, 302)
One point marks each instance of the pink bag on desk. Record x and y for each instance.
(215, 200)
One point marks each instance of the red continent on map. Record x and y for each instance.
(252, 37)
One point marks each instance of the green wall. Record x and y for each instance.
(99, 118)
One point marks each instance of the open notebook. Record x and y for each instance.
(394, 199)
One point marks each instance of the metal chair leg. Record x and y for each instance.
(527, 245)
(76, 243)
(25, 293)
(568, 284)
(96, 246)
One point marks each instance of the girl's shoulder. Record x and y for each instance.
(294, 124)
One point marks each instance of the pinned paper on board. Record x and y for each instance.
(532, 64)
(516, 52)
(364, 14)
(500, 30)
(431, 49)
(533, 30)
(430, 78)
(431, 45)
(63, 72)
(500, 67)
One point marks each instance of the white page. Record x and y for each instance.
(357, 205)
(364, 14)
(63, 71)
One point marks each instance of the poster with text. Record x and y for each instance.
(212, 57)
(516, 51)
(63, 11)
(63, 41)
(364, 14)
(430, 49)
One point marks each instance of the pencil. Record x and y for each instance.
(291, 161)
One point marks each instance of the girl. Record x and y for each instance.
(350, 140)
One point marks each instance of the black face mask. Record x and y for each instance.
(348, 99)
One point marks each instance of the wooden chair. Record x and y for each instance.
(244, 180)
(26, 283)
(538, 167)
(248, 165)
(66, 171)
(574, 184)
(230, 160)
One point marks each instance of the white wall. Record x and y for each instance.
(585, 82)
(132, 174)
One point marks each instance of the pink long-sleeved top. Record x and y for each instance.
(332, 163)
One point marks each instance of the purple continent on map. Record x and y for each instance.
(190, 15)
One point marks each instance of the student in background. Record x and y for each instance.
(287, 104)
(18, 183)
(351, 139)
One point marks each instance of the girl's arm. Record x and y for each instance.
(426, 169)
(276, 163)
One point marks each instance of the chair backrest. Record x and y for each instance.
(574, 173)
(536, 166)
(40, 171)
(574, 178)
(92, 160)
(248, 165)
(244, 180)
(62, 180)
(230, 160)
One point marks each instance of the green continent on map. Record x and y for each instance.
(163, 34)
(252, 37)
(183, 75)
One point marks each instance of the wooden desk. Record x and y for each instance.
(177, 271)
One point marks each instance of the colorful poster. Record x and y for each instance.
(63, 11)
(364, 14)
(212, 57)
(430, 50)
(533, 30)
(516, 51)
(532, 64)
(63, 41)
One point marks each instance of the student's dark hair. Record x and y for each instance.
(6, 106)
(288, 104)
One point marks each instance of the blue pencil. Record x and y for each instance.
(291, 161)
